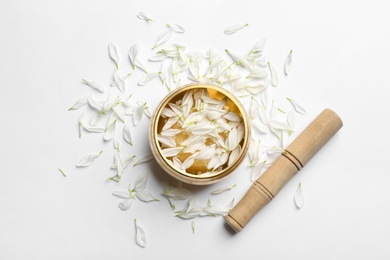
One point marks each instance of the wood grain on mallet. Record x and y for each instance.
(297, 154)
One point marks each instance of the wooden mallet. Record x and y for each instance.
(297, 154)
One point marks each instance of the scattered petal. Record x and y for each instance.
(235, 28)
(87, 160)
(113, 52)
(298, 197)
(133, 54)
(163, 38)
(288, 63)
(127, 133)
(223, 189)
(146, 158)
(94, 84)
(80, 103)
(297, 106)
(256, 171)
(274, 75)
(140, 234)
(109, 134)
(146, 196)
(143, 16)
(145, 79)
(176, 28)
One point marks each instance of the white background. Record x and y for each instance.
(341, 61)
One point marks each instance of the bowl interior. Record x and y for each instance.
(199, 170)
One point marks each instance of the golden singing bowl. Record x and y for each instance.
(157, 122)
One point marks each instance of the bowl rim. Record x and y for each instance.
(167, 165)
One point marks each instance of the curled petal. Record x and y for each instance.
(288, 63)
(297, 106)
(143, 16)
(235, 28)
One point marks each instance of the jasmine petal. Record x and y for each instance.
(137, 116)
(169, 152)
(280, 126)
(147, 78)
(133, 54)
(258, 48)
(121, 194)
(170, 122)
(143, 16)
(140, 234)
(94, 84)
(234, 155)
(213, 210)
(126, 161)
(118, 82)
(235, 28)
(254, 152)
(177, 163)
(223, 189)
(113, 52)
(146, 158)
(87, 160)
(288, 63)
(171, 132)
(297, 106)
(200, 129)
(193, 118)
(126, 204)
(116, 145)
(233, 139)
(256, 89)
(233, 117)
(256, 171)
(274, 75)
(163, 38)
(207, 153)
(291, 119)
(177, 193)
(127, 134)
(167, 141)
(189, 161)
(298, 197)
(80, 103)
(93, 129)
(146, 196)
(167, 112)
(110, 131)
(176, 28)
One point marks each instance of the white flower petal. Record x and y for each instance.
(171, 132)
(177, 193)
(223, 189)
(121, 194)
(110, 131)
(127, 133)
(167, 141)
(256, 171)
(258, 48)
(189, 161)
(298, 197)
(288, 63)
(170, 122)
(279, 126)
(87, 160)
(113, 52)
(80, 103)
(126, 204)
(274, 75)
(297, 106)
(233, 117)
(147, 78)
(118, 82)
(137, 116)
(169, 152)
(235, 28)
(233, 139)
(93, 128)
(133, 54)
(234, 155)
(140, 235)
(176, 28)
(163, 38)
(94, 84)
(146, 158)
(145, 196)
(143, 16)
(141, 182)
